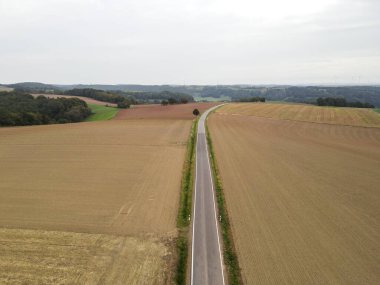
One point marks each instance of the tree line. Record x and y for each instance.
(104, 96)
(251, 99)
(125, 99)
(19, 109)
(160, 97)
(341, 102)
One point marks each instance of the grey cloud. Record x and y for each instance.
(197, 42)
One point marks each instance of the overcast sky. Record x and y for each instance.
(190, 41)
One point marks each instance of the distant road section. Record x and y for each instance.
(207, 265)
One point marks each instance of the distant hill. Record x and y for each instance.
(302, 94)
(34, 87)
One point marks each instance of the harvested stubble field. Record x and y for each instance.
(306, 113)
(90, 203)
(156, 111)
(303, 198)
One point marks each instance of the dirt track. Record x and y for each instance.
(303, 199)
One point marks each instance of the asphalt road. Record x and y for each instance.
(207, 264)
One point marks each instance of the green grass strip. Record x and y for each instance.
(183, 218)
(229, 253)
(187, 180)
(101, 113)
(377, 110)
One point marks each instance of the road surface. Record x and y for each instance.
(207, 264)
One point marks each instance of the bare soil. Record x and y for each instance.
(306, 113)
(303, 198)
(180, 111)
(106, 188)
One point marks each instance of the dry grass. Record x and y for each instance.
(306, 113)
(180, 111)
(303, 198)
(87, 100)
(120, 178)
(48, 257)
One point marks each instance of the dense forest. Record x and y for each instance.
(158, 97)
(131, 98)
(341, 102)
(19, 109)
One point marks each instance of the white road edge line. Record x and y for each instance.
(195, 204)
(213, 198)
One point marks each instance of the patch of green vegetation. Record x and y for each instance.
(212, 99)
(182, 247)
(377, 110)
(229, 253)
(183, 219)
(101, 113)
(187, 180)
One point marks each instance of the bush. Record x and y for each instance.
(195, 112)
(123, 105)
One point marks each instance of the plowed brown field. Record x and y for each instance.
(94, 202)
(180, 111)
(306, 113)
(303, 198)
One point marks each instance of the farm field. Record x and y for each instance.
(306, 113)
(52, 257)
(302, 198)
(101, 113)
(5, 89)
(87, 100)
(90, 202)
(156, 111)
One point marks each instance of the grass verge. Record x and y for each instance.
(229, 253)
(377, 110)
(101, 113)
(183, 218)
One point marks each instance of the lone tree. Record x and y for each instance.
(195, 112)
(164, 102)
(123, 105)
